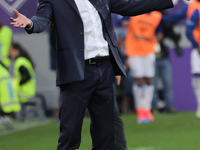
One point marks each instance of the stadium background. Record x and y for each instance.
(38, 46)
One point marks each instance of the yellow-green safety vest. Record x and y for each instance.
(28, 89)
(5, 42)
(8, 96)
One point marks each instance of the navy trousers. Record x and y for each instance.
(96, 92)
(120, 139)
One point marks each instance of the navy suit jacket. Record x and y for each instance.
(64, 15)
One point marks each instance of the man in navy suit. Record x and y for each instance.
(87, 61)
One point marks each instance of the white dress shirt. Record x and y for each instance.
(94, 42)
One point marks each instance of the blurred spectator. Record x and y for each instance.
(193, 26)
(8, 97)
(124, 90)
(184, 13)
(5, 41)
(140, 49)
(164, 70)
(24, 76)
(193, 35)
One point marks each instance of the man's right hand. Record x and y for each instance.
(21, 21)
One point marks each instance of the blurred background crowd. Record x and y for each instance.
(27, 70)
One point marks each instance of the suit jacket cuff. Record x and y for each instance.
(29, 29)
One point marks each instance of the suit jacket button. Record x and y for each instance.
(81, 50)
(81, 33)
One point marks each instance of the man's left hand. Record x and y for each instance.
(118, 78)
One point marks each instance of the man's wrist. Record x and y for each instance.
(30, 25)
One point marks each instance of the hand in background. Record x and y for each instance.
(118, 78)
(21, 21)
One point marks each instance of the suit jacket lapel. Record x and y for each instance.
(103, 10)
(96, 3)
(73, 5)
(100, 7)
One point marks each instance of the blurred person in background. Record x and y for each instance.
(87, 62)
(5, 42)
(142, 34)
(24, 76)
(9, 102)
(125, 97)
(193, 34)
(164, 70)
(184, 13)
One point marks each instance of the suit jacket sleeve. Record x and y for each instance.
(137, 7)
(42, 18)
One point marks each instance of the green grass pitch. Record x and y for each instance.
(179, 131)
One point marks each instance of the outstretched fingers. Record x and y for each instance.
(14, 22)
(12, 19)
(20, 21)
(23, 26)
(16, 12)
(17, 24)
